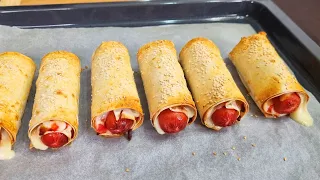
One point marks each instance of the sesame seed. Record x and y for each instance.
(127, 170)
(214, 153)
(233, 148)
(244, 137)
(284, 159)
(253, 145)
(193, 153)
(239, 158)
(225, 153)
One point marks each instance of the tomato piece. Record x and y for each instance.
(111, 122)
(116, 127)
(123, 125)
(287, 103)
(54, 139)
(224, 117)
(54, 127)
(270, 108)
(101, 129)
(172, 122)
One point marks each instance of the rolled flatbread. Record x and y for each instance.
(16, 75)
(170, 102)
(219, 101)
(54, 121)
(116, 107)
(268, 79)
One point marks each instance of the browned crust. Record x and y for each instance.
(12, 105)
(164, 53)
(52, 111)
(208, 89)
(257, 52)
(153, 44)
(113, 52)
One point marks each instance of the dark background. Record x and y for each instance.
(305, 13)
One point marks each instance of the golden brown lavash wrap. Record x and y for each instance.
(209, 79)
(57, 91)
(266, 76)
(163, 78)
(16, 75)
(113, 85)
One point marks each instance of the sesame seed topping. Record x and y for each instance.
(163, 74)
(109, 63)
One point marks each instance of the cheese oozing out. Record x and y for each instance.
(63, 127)
(6, 151)
(184, 109)
(236, 105)
(125, 113)
(300, 115)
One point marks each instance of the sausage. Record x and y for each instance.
(54, 139)
(287, 103)
(224, 117)
(115, 127)
(172, 122)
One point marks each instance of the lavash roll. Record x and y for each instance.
(209, 79)
(16, 75)
(266, 76)
(163, 80)
(113, 85)
(57, 93)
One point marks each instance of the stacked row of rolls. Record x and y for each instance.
(116, 108)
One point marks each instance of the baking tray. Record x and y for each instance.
(296, 48)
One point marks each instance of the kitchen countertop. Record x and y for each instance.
(305, 14)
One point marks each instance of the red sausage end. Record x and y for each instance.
(224, 117)
(287, 103)
(54, 139)
(172, 122)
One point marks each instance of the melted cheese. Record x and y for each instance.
(301, 114)
(229, 105)
(6, 151)
(184, 109)
(36, 137)
(126, 114)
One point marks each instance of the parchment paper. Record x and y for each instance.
(187, 155)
